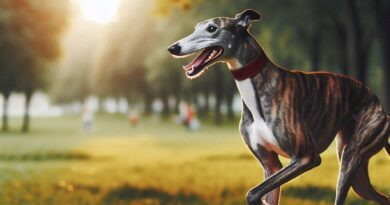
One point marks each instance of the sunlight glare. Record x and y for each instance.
(99, 11)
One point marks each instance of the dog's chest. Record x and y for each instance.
(259, 132)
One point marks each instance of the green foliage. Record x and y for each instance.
(30, 45)
(30, 32)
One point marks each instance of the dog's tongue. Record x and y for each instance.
(198, 61)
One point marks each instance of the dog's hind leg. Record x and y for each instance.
(350, 161)
(361, 184)
(368, 138)
(343, 140)
(363, 187)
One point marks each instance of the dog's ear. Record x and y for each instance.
(244, 18)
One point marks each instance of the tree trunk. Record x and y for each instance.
(315, 51)
(207, 103)
(382, 17)
(166, 110)
(194, 100)
(205, 109)
(218, 91)
(357, 54)
(343, 50)
(26, 118)
(230, 111)
(118, 105)
(177, 92)
(230, 100)
(148, 100)
(5, 127)
(177, 104)
(100, 105)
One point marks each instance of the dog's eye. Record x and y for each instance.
(211, 28)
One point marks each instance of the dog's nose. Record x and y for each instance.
(175, 49)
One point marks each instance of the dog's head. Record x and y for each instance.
(216, 39)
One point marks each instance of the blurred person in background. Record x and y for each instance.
(188, 116)
(133, 117)
(88, 119)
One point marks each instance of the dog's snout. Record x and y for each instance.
(175, 49)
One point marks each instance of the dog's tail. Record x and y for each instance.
(387, 145)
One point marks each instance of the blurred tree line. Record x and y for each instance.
(349, 37)
(128, 59)
(30, 32)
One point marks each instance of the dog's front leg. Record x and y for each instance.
(294, 169)
(271, 164)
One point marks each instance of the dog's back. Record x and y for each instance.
(331, 101)
(321, 101)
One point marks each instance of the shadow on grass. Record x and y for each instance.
(317, 194)
(133, 195)
(151, 196)
(45, 156)
(229, 157)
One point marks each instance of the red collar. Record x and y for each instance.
(251, 69)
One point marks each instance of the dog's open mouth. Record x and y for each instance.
(204, 59)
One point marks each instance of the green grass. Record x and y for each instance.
(154, 163)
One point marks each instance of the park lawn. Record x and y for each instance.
(153, 163)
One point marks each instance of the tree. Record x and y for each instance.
(357, 51)
(8, 74)
(9, 59)
(381, 11)
(33, 45)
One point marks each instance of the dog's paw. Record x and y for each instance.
(252, 199)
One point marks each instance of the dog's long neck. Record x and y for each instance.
(260, 76)
(247, 52)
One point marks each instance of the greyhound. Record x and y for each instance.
(292, 113)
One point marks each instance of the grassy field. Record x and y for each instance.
(154, 163)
